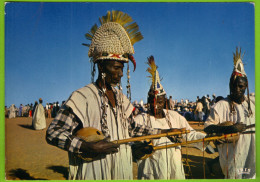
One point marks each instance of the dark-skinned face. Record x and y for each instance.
(114, 72)
(238, 89)
(160, 102)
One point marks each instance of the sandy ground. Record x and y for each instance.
(29, 157)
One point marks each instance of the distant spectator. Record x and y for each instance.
(35, 104)
(39, 121)
(12, 111)
(6, 112)
(20, 110)
(199, 110)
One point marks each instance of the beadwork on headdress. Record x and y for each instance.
(114, 39)
(238, 64)
(156, 86)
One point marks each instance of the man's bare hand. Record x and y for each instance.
(92, 149)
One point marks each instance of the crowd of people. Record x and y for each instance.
(197, 110)
(109, 116)
(189, 109)
(27, 110)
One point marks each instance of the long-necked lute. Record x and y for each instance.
(90, 134)
(229, 137)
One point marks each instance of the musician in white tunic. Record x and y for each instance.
(237, 159)
(102, 106)
(164, 163)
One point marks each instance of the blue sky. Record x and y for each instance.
(193, 45)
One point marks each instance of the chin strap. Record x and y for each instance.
(250, 113)
(93, 70)
(128, 86)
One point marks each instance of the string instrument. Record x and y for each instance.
(232, 139)
(90, 134)
(229, 137)
(148, 145)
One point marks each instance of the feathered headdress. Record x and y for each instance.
(114, 39)
(238, 64)
(156, 87)
(239, 71)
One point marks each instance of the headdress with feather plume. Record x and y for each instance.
(114, 39)
(239, 71)
(156, 87)
(238, 64)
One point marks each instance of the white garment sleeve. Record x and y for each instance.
(193, 135)
(213, 118)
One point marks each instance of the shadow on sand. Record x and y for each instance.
(27, 126)
(60, 169)
(22, 174)
(194, 168)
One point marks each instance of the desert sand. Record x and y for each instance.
(29, 157)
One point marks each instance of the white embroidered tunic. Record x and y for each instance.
(237, 160)
(166, 163)
(86, 104)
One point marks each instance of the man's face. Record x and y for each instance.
(160, 102)
(114, 72)
(239, 88)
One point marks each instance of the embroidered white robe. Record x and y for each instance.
(86, 104)
(166, 163)
(237, 160)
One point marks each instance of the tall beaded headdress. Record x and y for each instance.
(114, 39)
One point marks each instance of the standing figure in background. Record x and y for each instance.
(49, 110)
(205, 108)
(6, 112)
(30, 110)
(12, 111)
(171, 103)
(38, 120)
(213, 101)
(20, 110)
(199, 111)
(34, 107)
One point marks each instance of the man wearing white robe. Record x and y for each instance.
(166, 163)
(38, 120)
(102, 106)
(237, 159)
(12, 111)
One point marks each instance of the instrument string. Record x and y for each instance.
(204, 173)
(227, 155)
(234, 157)
(187, 162)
